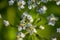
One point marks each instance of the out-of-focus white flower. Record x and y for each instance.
(38, 2)
(0, 16)
(32, 0)
(52, 23)
(58, 30)
(19, 28)
(54, 39)
(22, 7)
(22, 35)
(23, 2)
(30, 7)
(6, 23)
(51, 20)
(42, 10)
(20, 39)
(58, 3)
(22, 21)
(28, 25)
(42, 27)
(45, 1)
(32, 30)
(29, 2)
(24, 15)
(30, 18)
(11, 2)
(34, 5)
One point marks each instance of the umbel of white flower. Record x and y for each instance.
(27, 26)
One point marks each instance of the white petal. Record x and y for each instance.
(6, 23)
(35, 30)
(22, 7)
(54, 39)
(29, 7)
(29, 25)
(22, 35)
(58, 3)
(19, 28)
(41, 27)
(20, 39)
(24, 28)
(58, 30)
(44, 8)
(52, 24)
(0, 16)
(23, 2)
(11, 2)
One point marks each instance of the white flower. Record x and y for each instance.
(19, 28)
(29, 2)
(29, 25)
(11, 2)
(38, 2)
(52, 23)
(6, 23)
(41, 11)
(24, 15)
(22, 21)
(30, 18)
(45, 1)
(32, 0)
(23, 2)
(0, 16)
(34, 5)
(52, 17)
(30, 7)
(54, 39)
(51, 20)
(22, 35)
(42, 27)
(20, 39)
(58, 3)
(58, 30)
(34, 30)
(22, 7)
(44, 8)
